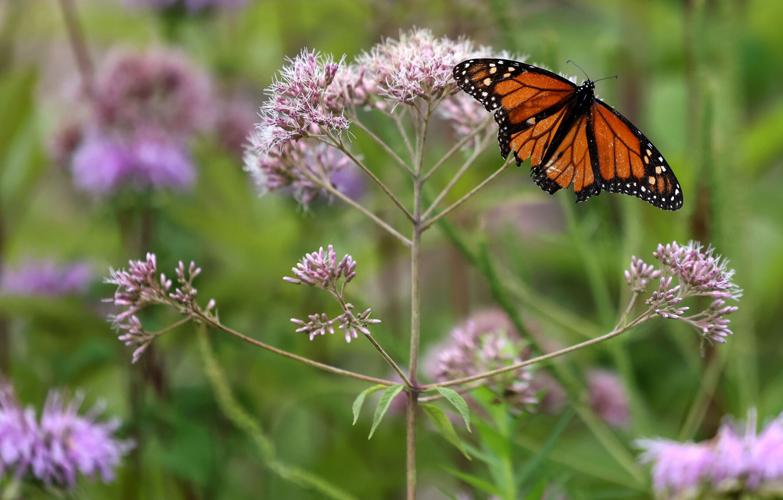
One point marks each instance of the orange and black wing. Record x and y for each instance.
(534, 111)
(521, 95)
(627, 162)
(570, 160)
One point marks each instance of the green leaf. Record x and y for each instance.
(444, 426)
(457, 402)
(530, 467)
(383, 406)
(359, 401)
(475, 481)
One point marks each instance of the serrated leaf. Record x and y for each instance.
(457, 402)
(442, 422)
(359, 401)
(383, 406)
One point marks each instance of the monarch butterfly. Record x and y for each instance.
(571, 136)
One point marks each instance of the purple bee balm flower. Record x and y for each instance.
(100, 164)
(148, 160)
(487, 340)
(46, 278)
(766, 456)
(71, 444)
(678, 468)
(18, 434)
(737, 460)
(160, 162)
(190, 5)
(60, 447)
(689, 271)
(296, 104)
(416, 65)
(608, 398)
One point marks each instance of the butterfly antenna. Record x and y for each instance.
(605, 78)
(580, 68)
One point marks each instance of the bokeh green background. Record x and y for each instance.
(702, 78)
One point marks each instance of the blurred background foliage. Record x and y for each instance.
(701, 77)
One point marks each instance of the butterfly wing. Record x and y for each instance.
(571, 161)
(521, 96)
(629, 163)
(531, 105)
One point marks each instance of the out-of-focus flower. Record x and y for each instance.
(233, 123)
(296, 104)
(18, 434)
(350, 181)
(46, 278)
(322, 269)
(140, 286)
(608, 398)
(189, 5)
(146, 107)
(689, 271)
(416, 65)
(464, 113)
(679, 468)
(60, 447)
(301, 167)
(487, 340)
(157, 89)
(160, 162)
(737, 461)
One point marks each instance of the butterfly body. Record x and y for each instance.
(571, 137)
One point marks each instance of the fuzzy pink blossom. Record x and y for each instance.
(297, 106)
(686, 271)
(485, 341)
(416, 65)
(608, 397)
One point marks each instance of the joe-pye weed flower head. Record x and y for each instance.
(322, 269)
(688, 271)
(141, 285)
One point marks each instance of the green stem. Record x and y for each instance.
(358, 206)
(538, 359)
(307, 361)
(456, 147)
(339, 145)
(427, 223)
(372, 135)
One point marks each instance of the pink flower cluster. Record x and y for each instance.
(140, 286)
(315, 96)
(321, 269)
(686, 271)
(735, 462)
(485, 341)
